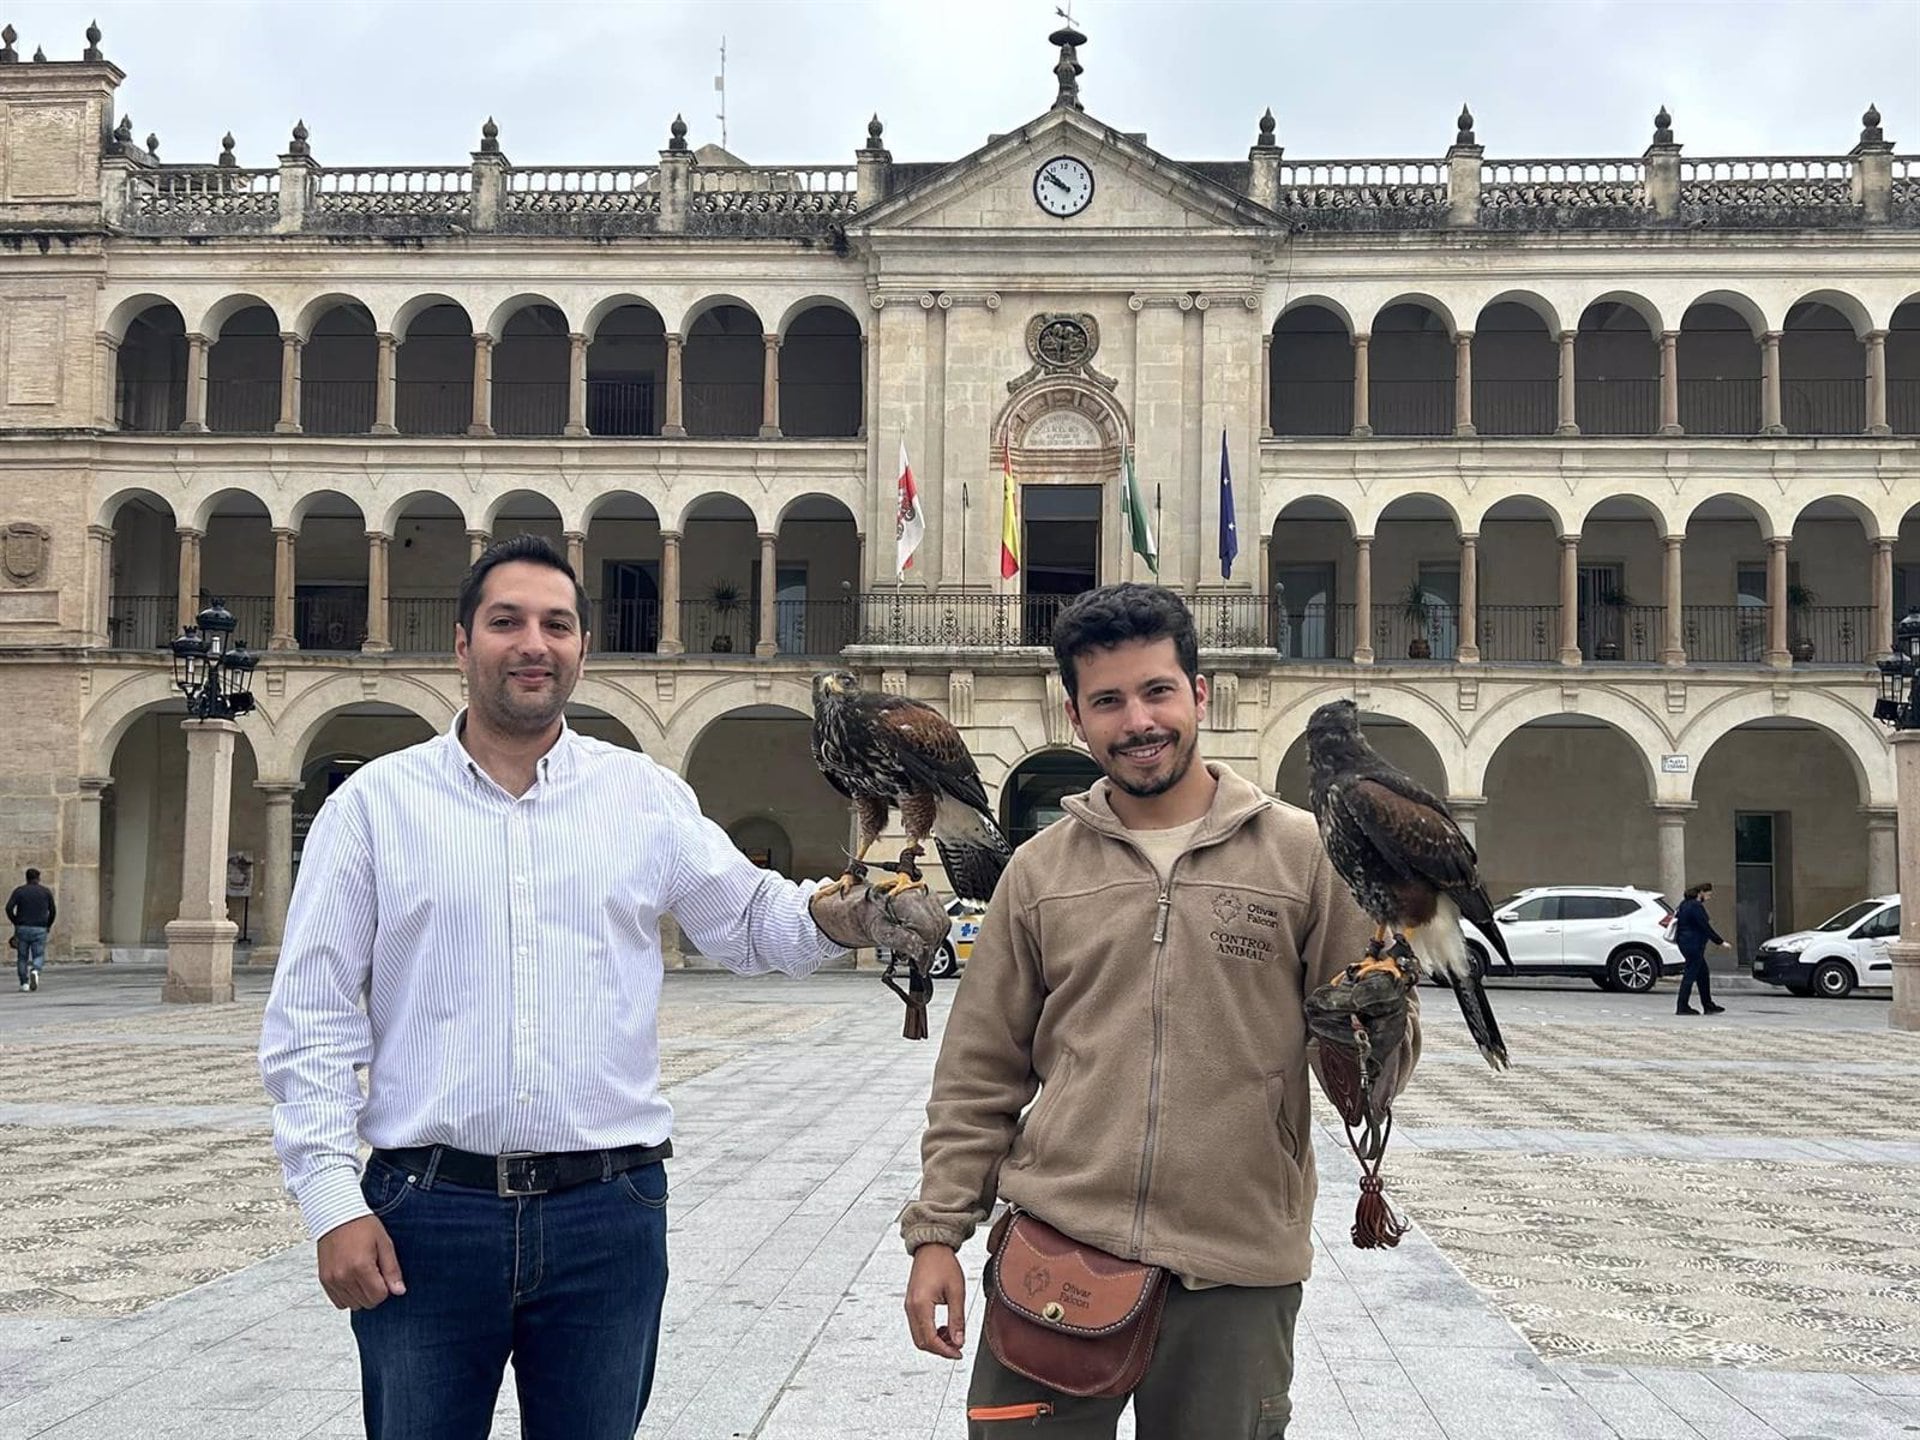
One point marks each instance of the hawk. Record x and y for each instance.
(882, 751)
(1405, 861)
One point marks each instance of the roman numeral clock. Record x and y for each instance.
(1063, 186)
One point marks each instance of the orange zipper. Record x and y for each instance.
(1010, 1412)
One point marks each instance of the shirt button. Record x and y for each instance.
(525, 1098)
(519, 879)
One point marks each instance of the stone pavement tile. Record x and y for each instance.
(39, 1410)
(1908, 1385)
(1834, 1407)
(1692, 1395)
(1382, 1400)
(1494, 1394)
(1618, 1397)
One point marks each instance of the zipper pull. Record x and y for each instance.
(1160, 917)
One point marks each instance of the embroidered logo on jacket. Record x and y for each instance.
(1226, 909)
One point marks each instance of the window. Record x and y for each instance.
(1883, 925)
(1596, 907)
(1540, 907)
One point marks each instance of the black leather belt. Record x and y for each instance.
(522, 1172)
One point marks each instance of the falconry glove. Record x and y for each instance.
(906, 921)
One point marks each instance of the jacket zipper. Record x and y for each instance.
(1161, 909)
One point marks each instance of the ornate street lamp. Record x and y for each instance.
(212, 671)
(1898, 707)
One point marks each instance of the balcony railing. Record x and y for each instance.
(337, 407)
(1519, 633)
(422, 624)
(1835, 635)
(142, 622)
(1724, 634)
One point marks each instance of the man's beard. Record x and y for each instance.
(531, 716)
(1176, 772)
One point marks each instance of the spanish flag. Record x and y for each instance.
(1009, 522)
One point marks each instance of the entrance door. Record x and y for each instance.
(1601, 618)
(1304, 612)
(1060, 551)
(630, 607)
(1440, 584)
(1754, 883)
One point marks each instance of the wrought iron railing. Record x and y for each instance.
(1410, 407)
(993, 622)
(621, 407)
(1625, 633)
(422, 624)
(330, 622)
(708, 627)
(1724, 634)
(529, 407)
(433, 407)
(237, 406)
(1313, 632)
(1720, 407)
(1835, 635)
(1518, 633)
(337, 407)
(142, 622)
(1823, 406)
(1516, 407)
(1625, 406)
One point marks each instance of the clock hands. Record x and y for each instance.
(1057, 182)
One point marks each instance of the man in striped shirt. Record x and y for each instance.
(476, 929)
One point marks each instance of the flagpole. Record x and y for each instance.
(963, 535)
(1158, 528)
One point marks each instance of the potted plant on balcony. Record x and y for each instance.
(1416, 608)
(1613, 605)
(1800, 603)
(724, 596)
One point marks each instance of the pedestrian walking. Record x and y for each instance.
(1692, 932)
(476, 931)
(31, 911)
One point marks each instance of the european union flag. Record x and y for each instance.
(1229, 529)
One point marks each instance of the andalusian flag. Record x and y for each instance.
(1133, 505)
(1009, 522)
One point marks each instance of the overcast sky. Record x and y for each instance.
(393, 81)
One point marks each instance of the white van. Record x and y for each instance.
(1854, 948)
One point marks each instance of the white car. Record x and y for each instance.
(1853, 948)
(1617, 936)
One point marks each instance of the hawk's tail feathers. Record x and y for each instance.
(1441, 947)
(972, 849)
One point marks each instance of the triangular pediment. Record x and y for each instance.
(1135, 188)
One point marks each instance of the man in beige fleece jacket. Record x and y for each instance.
(1144, 967)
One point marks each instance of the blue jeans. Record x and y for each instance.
(569, 1284)
(1696, 973)
(29, 948)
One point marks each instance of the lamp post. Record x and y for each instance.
(1899, 707)
(212, 671)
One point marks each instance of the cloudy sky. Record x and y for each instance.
(392, 81)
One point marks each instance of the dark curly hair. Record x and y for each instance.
(535, 549)
(1114, 614)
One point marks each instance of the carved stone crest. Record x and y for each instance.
(1061, 345)
(23, 551)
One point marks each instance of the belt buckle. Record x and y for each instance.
(503, 1175)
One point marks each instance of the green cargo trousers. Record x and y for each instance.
(1221, 1371)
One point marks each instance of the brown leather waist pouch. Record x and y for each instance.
(1071, 1317)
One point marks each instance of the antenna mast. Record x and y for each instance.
(720, 84)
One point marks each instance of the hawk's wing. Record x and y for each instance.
(1417, 839)
(930, 750)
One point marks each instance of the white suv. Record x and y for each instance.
(1617, 936)
(1854, 948)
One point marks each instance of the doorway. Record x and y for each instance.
(1759, 856)
(1304, 613)
(629, 607)
(1601, 595)
(1059, 552)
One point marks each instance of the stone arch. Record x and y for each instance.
(1310, 364)
(1473, 519)
(1745, 306)
(1639, 304)
(1316, 300)
(809, 302)
(1317, 498)
(204, 509)
(396, 509)
(1036, 781)
(109, 509)
(605, 306)
(1412, 499)
(691, 720)
(1015, 426)
(300, 722)
(708, 303)
(114, 711)
(1437, 725)
(1847, 306)
(1425, 301)
(316, 309)
(216, 315)
(1496, 725)
(622, 703)
(1529, 299)
(1400, 742)
(1770, 522)
(750, 764)
(513, 305)
(676, 519)
(303, 506)
(1846, 722)
(544, 507)
(1648, 505)
(415, 306)
(133, 307)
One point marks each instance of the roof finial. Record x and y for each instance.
(92, 52)
(39, 54)
(1870, 131)
(489, 138)
(9, 55)
(227, 159)
(298, 145)
(153, 146)
(1266, 141)
(678, 130)
(1663, 127)
(875, 130)
(1464, 126)
(1068, 69)
(123, 133)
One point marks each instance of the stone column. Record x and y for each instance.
(477, 543)
(1877, 383)
(1770, 384)
(1671, 819)
(1883, 856)
(196, 420)
(1670, 383)
(577, 552)
(284, 555)
(200, 940)
(383, 386)
(377, 642)
(1569, 416)
(1463, 383)
(670, 593)
(1883, 617)
(106, 382)
(289, 421)
(676, 425)
(1362, 388)
(1466, 814)
(273, 877)
(189, 574)
(80, 871)
(1906, 953)
(1777, 651)
(770, 389)
(482, 423)
(1363, 600)
(1266, 386)
(100, 554)
(769, 642)
(576, 386)
(1673, 644)
(1570, 600)
(1468, 652)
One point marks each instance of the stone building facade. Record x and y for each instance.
(1590, 480)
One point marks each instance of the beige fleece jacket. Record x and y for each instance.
(1164, 1032)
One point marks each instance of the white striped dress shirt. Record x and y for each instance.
(493, 963)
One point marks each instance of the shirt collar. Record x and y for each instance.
(556, 764)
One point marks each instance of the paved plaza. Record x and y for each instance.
(1652, 1227)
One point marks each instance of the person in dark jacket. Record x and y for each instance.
(1693, 932)
(30, 910)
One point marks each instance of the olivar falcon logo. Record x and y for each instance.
(1226, 909)
(1229, 910)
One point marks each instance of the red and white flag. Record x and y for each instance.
(909, 522)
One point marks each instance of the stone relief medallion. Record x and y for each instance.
(1061, 345)
(23, 551)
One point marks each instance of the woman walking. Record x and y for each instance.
(1692, 932)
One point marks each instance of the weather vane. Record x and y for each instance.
(1066, 15)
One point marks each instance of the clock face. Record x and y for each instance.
(1063, 186)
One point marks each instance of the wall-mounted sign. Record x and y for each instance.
(1673, 764)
